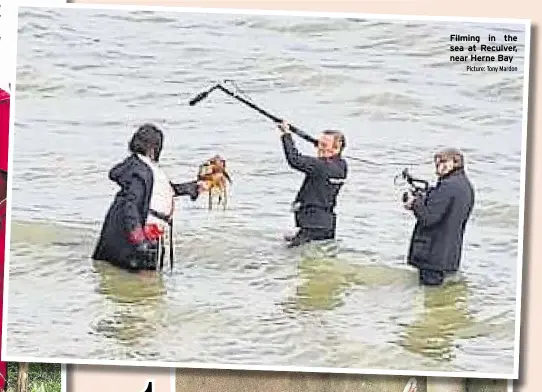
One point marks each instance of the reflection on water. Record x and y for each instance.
(439, 313)
(322, 287)
(134, 303)
(442, 314)
(236, 295)
(325, 282)
(143, 289)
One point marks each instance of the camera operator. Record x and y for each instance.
(441, 217)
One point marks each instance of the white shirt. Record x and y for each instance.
(162, 193)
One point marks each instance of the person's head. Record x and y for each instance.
(448, 160)
(147, 141)
(331, 143)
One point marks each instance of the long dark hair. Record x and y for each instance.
(146, 138)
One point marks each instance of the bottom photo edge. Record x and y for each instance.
(87, 378)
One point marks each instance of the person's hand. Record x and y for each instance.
(153, 232)
(409, 201)
(284, 127)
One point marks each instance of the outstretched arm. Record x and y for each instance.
(191, 188)
(298, 161)
(311, 165)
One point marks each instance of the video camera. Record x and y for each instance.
(418, 187)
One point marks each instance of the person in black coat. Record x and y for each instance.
(126, 238)
(314, 204)
(441, 218)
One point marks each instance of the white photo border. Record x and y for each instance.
(13, 11)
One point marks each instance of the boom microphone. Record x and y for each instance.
(232, 94)
(198, 98)
(294, 129)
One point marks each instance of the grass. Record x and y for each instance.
(42, 377)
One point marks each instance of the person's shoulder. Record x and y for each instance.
(138, 166)
(457, 183)
(467, 183)
(462, 178)
(342, 163)
(336, 167)
(129, 163)
(129, 168)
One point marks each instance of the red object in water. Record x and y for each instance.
(4, 138)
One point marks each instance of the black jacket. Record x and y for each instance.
(130, 209)
(317, 196)
(441, 218)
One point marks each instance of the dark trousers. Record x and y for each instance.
(306, 235)
(431, 277)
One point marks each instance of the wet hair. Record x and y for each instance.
(146, 138)
(339, 140)
(451, 153)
